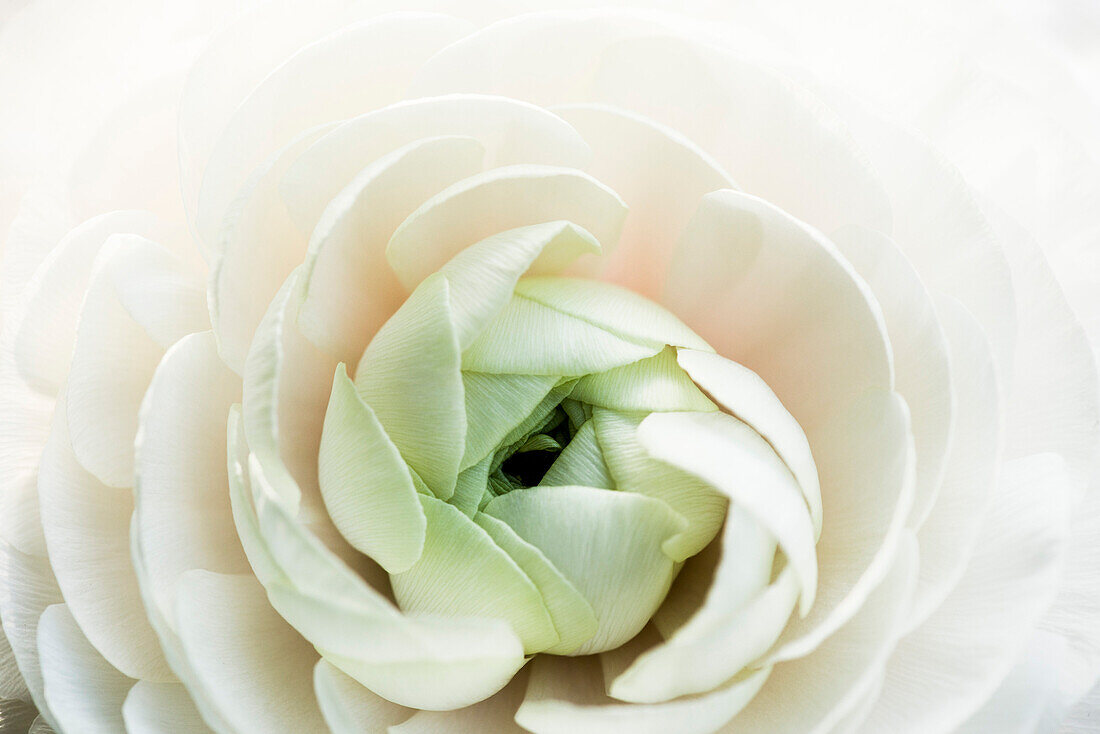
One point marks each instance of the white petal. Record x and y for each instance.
(20, 522)
(921, 368)
(565, 696)
(87, 528)
(734, 459)
(182, 517)
(349, 707)
(815, 693)
(12, 685)
(358, 68)
(496, 714)
(497, 200)
(814, 333)
(866, 464)
(511, 132)
(161, 708)
(660, 174)
(28, 588)
(350, 288)
(741, 392)
(948, 535)
(84, 692)
(1010, 581)
(53, 298)
(248, 661)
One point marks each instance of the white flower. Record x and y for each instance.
(566, 372)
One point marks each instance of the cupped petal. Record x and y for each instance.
(359, 67)
(350, 290)
(496, 200)
(865, 460)
(656, 384)
(769, 292)
(922, 369)
(84, 691)
(182, 516)
(565, 696)
(496, 714)
(740, 392)
(52, 299)
(1009, 582)
(511, 132)
(87, 528)
(463, 572)
(817, 693)
(633, 469)
(140, 300)
(349, 707)
(28, 588)
(580, 462)
(659, 173)
(410, 376)
(607, 544)
(948, 534)
(738, 462)
(495, 405)
(740, 618)
(161, 708)
(365, 483)
(254, 667)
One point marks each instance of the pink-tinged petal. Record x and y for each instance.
(948, 534)
(497, 200)
(773, 294)
(512, 132)
(84, 691)
(357, 68)
(350, 290)
(964, 651)
(87, 533)
(660, 174)
(922, 370)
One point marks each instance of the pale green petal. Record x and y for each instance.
(471, 487)
(613, 308)
(608, 544)
(634, 470)
(654, 384)
(539, 442)
(538, 417)
(581, 462)
(566, 696)
(463, 573)
(366, 486)
(733, 458)
(572, 615)
(483, 276)
(495, 404)
(410, 376)
(529, 338)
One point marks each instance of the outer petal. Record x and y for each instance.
(161, 708)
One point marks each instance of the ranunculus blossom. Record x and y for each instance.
(485, 368)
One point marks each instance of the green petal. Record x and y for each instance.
(483, 276)
(495, 404)
(608, 544)
(573, 618)
(410, 376)
(656, 384)
(529, 338)
(365, 484)
(581, 462)
(634, 470)
(471, 487)
(463, 573)
(613, 308)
